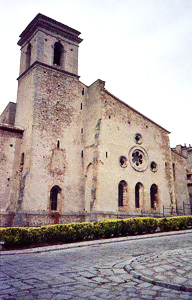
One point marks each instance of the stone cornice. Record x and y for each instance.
(44, 22)
(38, 63)
(7, 127)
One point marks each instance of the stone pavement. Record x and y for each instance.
(129, 269)
(171, 269)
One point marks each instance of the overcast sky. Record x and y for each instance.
(142, 49)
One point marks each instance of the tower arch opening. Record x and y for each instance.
(28, 56)
(58, 54)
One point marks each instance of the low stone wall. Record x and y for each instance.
(33, 219)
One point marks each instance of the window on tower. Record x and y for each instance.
(58, 54)
(28, 56)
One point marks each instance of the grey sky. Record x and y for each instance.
(141, 48)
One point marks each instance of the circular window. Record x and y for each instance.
(123, 161)
(153, 166)
(138, 158)
(138, 138)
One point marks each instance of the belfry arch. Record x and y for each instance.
(28, 56)
(58, 54)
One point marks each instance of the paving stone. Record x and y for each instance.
(167, 267)
(101, 279)
(106, 272)
(179, 280)
(119, 271)
(8, 291)
(5, 286)
(144, 285)
(7, 297)
(189, 275)
(147, 272)
(185, 297)
(161, 278)
(21, 286)
(87, 274)
(158, 269)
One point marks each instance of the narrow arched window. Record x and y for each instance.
(22, 162)
(58, 54)
(28, 56)
(154, 196)
(138, 194)
(54, 196)
(22, 159)
(122, 193)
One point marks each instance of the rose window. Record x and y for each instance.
(137, 157)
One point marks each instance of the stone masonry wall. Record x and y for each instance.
(9, 144)
(180, 180)
(55, 154)
(117, 129)
(8, 115)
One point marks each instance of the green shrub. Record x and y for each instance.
(175, 223)
(74, 232)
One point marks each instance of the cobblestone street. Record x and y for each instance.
(118, 269)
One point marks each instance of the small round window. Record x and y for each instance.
(153, 166)
(138, 138)
(123, 161)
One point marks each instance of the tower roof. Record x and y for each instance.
(44, 22)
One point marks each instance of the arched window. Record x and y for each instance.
(54, 196)
(28, 56)
(58, 54)
(138, 194)
(122, 193)
(154, 196)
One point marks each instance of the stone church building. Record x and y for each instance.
(71, 152)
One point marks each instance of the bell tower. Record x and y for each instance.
(48, 42)
(48, 110)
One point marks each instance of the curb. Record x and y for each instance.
(131, 271)
(93, 243)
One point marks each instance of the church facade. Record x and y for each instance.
(71, 152)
